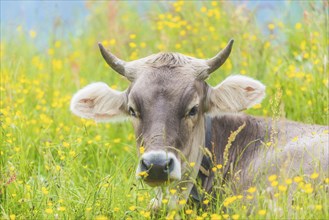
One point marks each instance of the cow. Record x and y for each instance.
(185, 126)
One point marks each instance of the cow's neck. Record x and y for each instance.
(189, 171)
(246, 143)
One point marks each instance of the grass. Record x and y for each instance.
(57, 166)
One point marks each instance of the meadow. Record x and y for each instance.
(55, 165)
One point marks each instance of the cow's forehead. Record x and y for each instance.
(163, 82)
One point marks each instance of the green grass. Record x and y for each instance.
(55, 165)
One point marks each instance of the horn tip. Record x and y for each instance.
(100, 45)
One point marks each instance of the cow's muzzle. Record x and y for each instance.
(158, 167)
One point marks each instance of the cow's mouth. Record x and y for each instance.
(155, 183)
(157, 177)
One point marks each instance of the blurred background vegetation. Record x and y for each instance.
(55, 164)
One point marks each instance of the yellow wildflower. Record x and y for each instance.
(141, 149)
(214, 3)
(257, 106)
(61, 209)
(272, 178)
(146, 214)
(173, 191)
(132, 45)
(33, 34)
(215, 217)
(314, 175)
(58, 44)
(295, 139)
(189, 212)
(274, 183)
(326, 180)
(298, 179)
(49, 211)
(117, 140)
(72, 153)
(51, 51)
(57, 64)
(269, 143)
(44, 190)
(251, 190)
(182, 202)
(298, 26)
(101, 217)
(318, 207)
(282, 188)
(206, 202)
(262, 212)
(132, 208)
(178, 46)
(271, 26)
(112, 42)
(143, 174)
(98, 138)
(288, 181)
(308, 190)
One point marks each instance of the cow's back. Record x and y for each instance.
(265, 147)
(304, 147)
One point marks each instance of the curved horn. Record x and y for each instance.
(115, 63)
(218, 60)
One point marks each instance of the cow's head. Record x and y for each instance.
(167, 101)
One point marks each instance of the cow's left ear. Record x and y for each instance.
(234, 94)
(99, 102)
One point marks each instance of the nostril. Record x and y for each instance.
(145, 165)
(169, 166)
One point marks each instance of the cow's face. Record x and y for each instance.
(167, 101)
(167, 113)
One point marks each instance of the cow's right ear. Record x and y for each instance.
(99, 102)
(234, 94)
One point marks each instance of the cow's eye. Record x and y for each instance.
(132, 112)
(193, 111)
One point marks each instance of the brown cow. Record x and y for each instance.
(173, 109)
